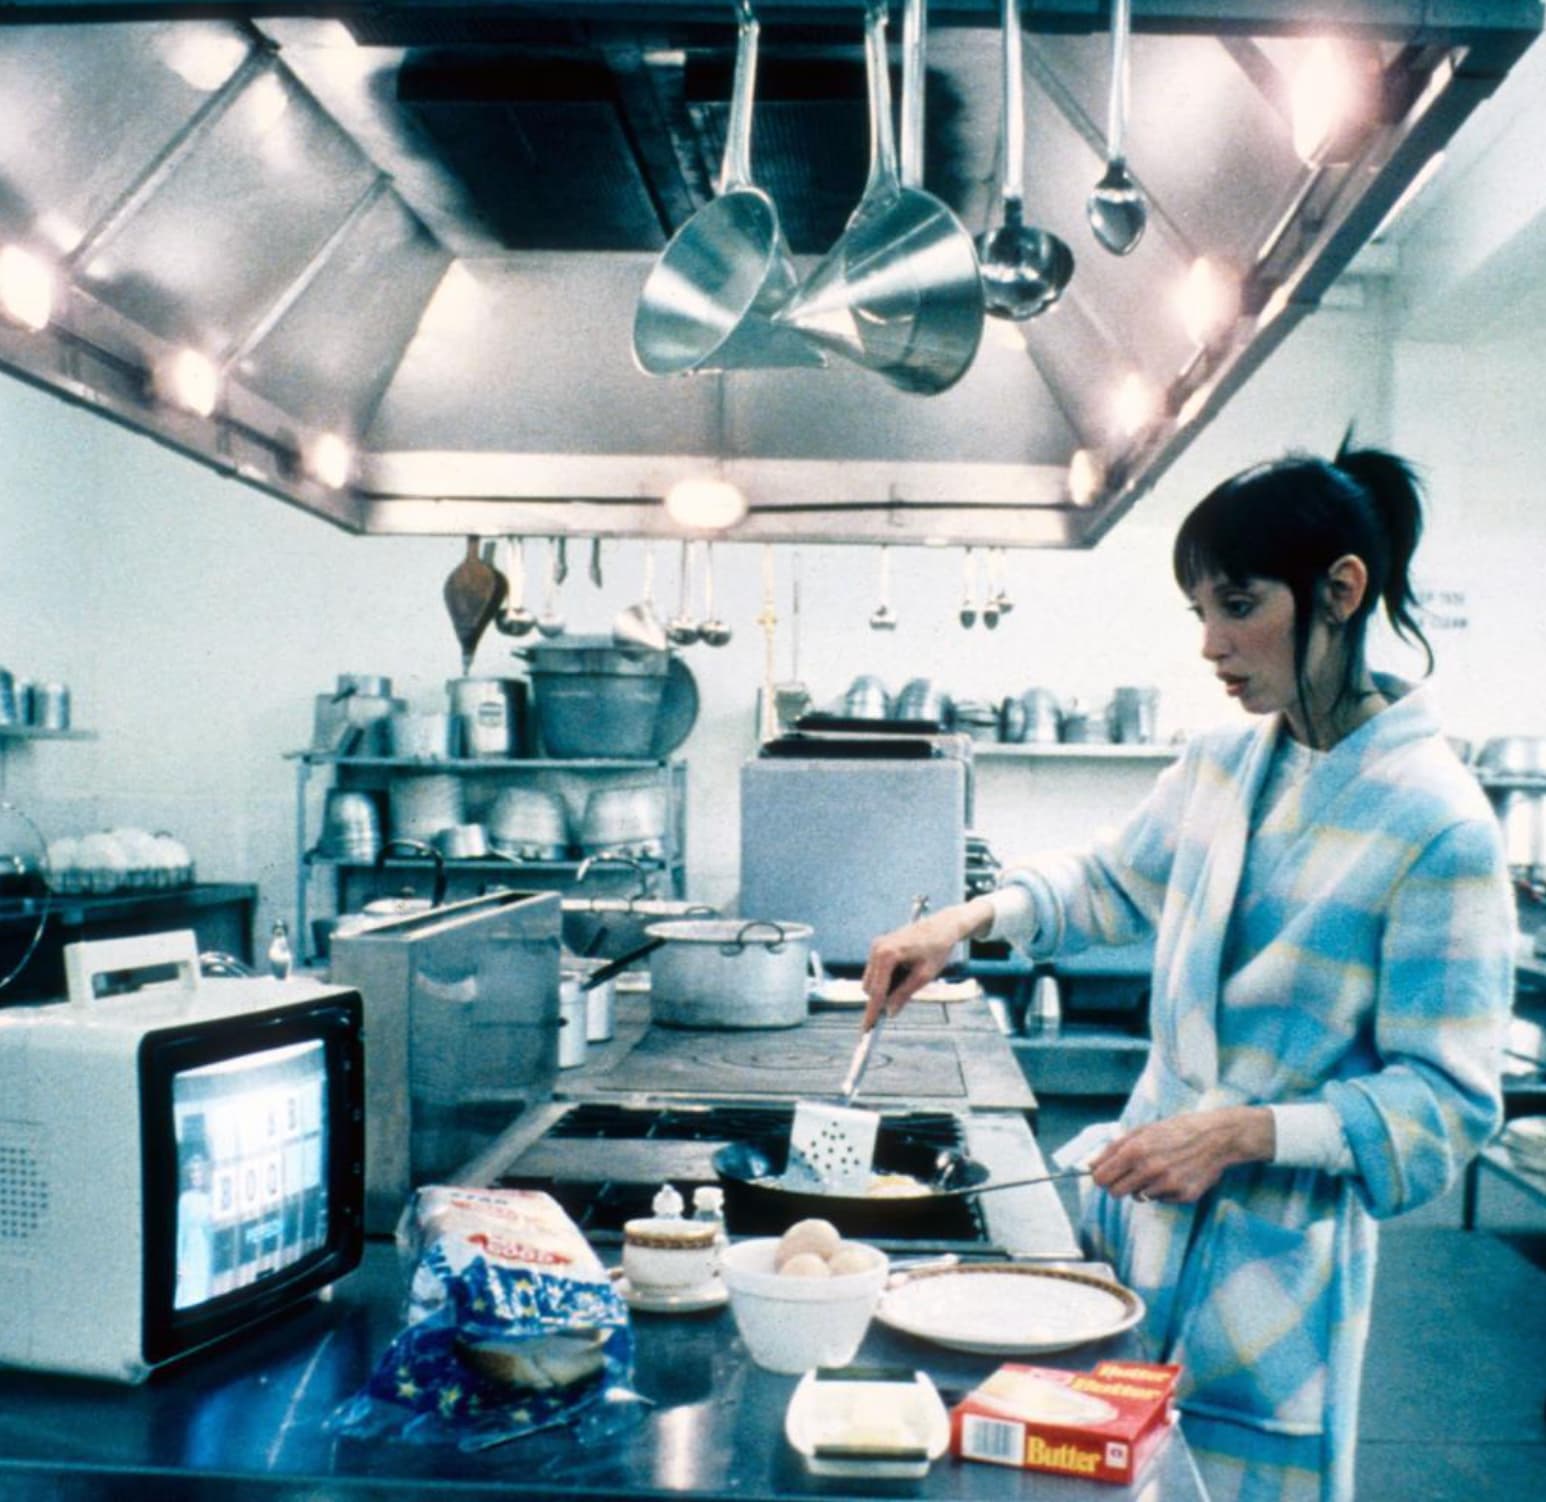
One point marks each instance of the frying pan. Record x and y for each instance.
(755, 1208)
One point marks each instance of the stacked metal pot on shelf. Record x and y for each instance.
(1035, 717)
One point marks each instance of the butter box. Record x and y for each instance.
(1102, 1424)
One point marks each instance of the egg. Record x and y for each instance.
(805, 1265)
(818, 1236)
(850, 1257)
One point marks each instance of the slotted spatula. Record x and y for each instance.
(832, 1147)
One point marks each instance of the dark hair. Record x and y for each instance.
(1291, 519)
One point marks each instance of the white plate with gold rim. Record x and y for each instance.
(1009, 1308)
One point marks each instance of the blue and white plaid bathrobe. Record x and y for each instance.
(1377, 979)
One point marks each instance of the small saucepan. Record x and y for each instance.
(756, 1204)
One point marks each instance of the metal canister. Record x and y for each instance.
(486, 715)
(51, 706)
(1134, 714)
(571, 1022)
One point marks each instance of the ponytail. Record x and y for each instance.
(1394, 493)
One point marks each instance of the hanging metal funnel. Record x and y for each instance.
(709, 299)
(900, 292)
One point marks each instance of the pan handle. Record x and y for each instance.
(739, 942)
(988, 1188)
(418, 847)
(621, 963)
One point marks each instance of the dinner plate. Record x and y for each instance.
(1009, 1308)
(850, 993)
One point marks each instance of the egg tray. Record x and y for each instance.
(80, 881)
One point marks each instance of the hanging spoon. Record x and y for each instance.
(595, 561)
(969, 584)
(551, 622)
(515, 619)
(1024, 269)
(1116, 208)
(682, 628)
(1001, 594)
(882, 618)
(714, 631)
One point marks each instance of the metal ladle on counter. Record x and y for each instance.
(515, 619)
(682, 629)
(883, 618)
(715, 632)
(1116, 208)
(1024, 269)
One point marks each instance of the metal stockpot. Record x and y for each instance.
(729, 973)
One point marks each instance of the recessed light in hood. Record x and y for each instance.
(26, 289)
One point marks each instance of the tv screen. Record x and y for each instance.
(252, 1142)
(252, 1135)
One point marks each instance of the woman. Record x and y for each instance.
(1333, 966)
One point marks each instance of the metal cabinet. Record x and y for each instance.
(326, 885)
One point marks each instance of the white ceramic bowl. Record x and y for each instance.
(794, 1324)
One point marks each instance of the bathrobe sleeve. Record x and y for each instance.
(1110, 893)
(1442, 999)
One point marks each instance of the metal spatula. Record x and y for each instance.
(832, 1147)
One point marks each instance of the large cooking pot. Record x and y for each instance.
(729, 972)
(756, 1204)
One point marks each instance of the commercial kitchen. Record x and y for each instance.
(411, 583)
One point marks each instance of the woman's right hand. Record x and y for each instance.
(904, 961)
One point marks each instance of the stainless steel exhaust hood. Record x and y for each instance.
(421, 228)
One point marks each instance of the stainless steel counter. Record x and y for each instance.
(246, 1422)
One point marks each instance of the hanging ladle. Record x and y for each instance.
(882, 618)
(1117, 209)
(715, 632)
(515, 619)
(638, 626)
(969, 586)
(551, 622)
(1024, 269)
(682, 628)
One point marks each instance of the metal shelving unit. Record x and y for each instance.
(377, 773)
(37, 733)
(1069, 751)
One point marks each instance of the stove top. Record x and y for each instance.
(603, 1162)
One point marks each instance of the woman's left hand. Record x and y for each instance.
(1180, 1159)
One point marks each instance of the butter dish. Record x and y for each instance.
(867, 1421)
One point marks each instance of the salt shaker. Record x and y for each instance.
(667, 1204)
(708, 1204)
(280, 959)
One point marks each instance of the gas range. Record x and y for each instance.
(604, 1161)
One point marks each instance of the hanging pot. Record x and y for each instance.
(729, 973)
